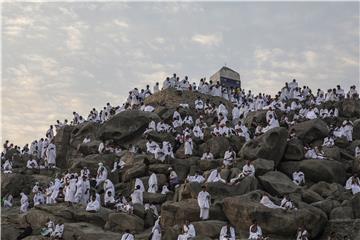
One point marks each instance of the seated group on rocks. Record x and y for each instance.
(188, 130)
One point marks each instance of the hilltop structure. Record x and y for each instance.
(227, 78)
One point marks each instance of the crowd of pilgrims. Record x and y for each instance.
(78, 188)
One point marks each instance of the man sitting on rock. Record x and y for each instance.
(151, 146)
(302, 233)
(227, 232)
(127, 235)
(215, 176)
(265, 200)
(287, 204)
(255, 232)
(93, 206)
(137, 196)
(229, 157)
(118, 165)
(196, 178)
(31, 164)
(7, 166)
(353, 184)
(101, 175)
(298, 177)
(207, 155)
(188, 231)
(248, 170)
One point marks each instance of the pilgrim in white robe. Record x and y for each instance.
(7, 166)
(70, 191)
(109, 186)
(287, 204)
(255, 232)
(39, 198)
(51, 154)
(32, 163)
(139, 182)
(188, 146)
(156, 230)
(118, 165)
(8, 201)
(58, 232)
(151, 146)
(159, 154)
(215, 177)
(137, 197)
(24, 201)
(229, 157)
(227, 233)
(204, 204)
(188, 232)
(196, 178)
(199, 104)
(128, 236)
(265, 200)
(55, 191)
(207, 156)
(298, 178)
(168, 149)
(165, 190)
(101, 175)
(93, 206)
(198, 133)
(153, 183)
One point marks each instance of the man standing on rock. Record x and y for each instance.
(204, 203)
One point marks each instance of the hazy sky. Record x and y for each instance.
(60, 57)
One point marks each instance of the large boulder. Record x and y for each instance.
(135, 171)
(89, 148)
(326, 190)
(209, 228)
(119, 222)
(126, 125)
(326, 205)
(76, 213)
(323, 170)
(170, 98)
(332, 153)
(263, 166)
(311, 130)
(316, 170)
(350, 108)
(62, 143)
(310, 196)
(15, 183)
(294, 150)
(342, 213)
(84, 230)
(219, 190)
(241, 210)
(271, 145)
(92, 162)
(356, 129)
(258, 117)
(177, 212)
(217, 145)
(343, 228)
(277, 183)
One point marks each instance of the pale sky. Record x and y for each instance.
(61, 57)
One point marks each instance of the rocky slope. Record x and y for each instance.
(324, 205)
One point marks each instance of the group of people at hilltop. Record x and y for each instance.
(94, 190)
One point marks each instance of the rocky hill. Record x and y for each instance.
(323, 203)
